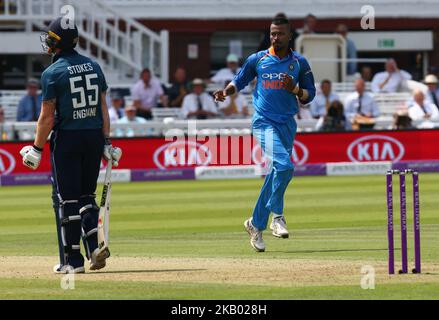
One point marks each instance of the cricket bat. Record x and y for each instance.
(104, 211)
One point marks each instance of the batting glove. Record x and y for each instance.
(116, 154)
(112, 153)
(31, 156)
(107, 149)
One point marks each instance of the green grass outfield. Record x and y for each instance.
(185, 240)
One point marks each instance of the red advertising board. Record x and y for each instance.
(148, 153)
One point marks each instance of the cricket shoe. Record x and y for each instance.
(278, 227)
(67, 269)
(98, 258)
(256, 240)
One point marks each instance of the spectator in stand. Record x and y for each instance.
(146, 94)
(335, 119)
(179, 88)
(322, 101)
(417, 70)
(129, 118)
(29, 106)
(198, 104)
(366, 73)
(433, 91)
(234, 106)
(115, 109)
(391, 80)
(304, 111)
(227, 74)
(421, 108)
(351, 50)
(402, 120)
(4, 134)
(361, 108)
(265, 42)
(309, 25)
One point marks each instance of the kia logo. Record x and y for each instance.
(182, 154)
(375, 148)
(299, 155)
(7, 162)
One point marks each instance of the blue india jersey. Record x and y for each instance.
(76, 82)
(270, 99)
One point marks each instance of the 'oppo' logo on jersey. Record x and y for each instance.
(375, 148)
(273, 76)
(7, 162)
(182, 154)
(273, 81)
(299, 155)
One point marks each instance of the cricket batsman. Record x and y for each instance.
(75, 111)
(283, 76)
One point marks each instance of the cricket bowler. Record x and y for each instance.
(283, 76)
(75, 111)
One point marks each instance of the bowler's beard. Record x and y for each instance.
(280, 47)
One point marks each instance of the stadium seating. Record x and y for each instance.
(346, 87)
(163, 113)
(387, 102)
(166, 119)
(9, 100)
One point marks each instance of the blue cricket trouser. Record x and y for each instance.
(276, 140)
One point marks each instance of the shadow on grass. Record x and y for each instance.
(145, 271)
(331, 250)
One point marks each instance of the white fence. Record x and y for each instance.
(121, 45)
(171, 128)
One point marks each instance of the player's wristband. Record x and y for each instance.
(38, 148)
(107, 141)
(298, 92)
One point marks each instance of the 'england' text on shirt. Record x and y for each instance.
(84, 113)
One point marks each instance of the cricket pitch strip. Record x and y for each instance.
(245, 271)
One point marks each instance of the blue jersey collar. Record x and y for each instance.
(64, 53)
(272, 53)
